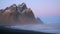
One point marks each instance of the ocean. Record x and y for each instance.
(47, 28)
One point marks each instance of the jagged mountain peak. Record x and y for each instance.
(17, 14)
(21, 7)
(14, 5)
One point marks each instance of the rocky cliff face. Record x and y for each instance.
(17, 15)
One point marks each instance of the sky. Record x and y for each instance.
(47, 10)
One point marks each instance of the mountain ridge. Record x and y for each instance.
(20, 14)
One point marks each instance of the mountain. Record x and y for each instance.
(39, 20)
(14, 14)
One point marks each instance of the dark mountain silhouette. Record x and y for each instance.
(17, 15)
